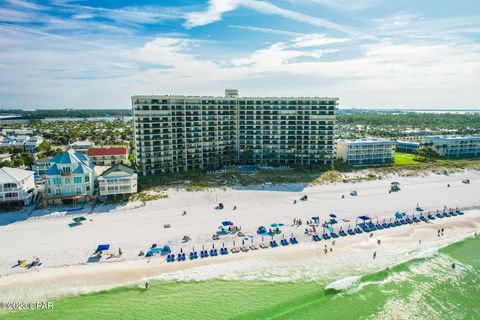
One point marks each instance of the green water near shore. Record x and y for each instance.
(426, 288)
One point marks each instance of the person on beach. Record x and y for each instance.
(331, 249)
(438, 232)
(184, 213)
(333, 242)
(453, 265)
(420, 241)
(379, 241)
(374, 254)
(120, 251)
(294, 201)
(147, 285)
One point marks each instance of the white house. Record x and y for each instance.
(16, 186)
(118, 180)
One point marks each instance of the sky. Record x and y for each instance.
(368, 53)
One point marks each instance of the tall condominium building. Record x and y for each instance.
(177, 133)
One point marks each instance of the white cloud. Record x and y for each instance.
(268, 30)
(313, 40)
(26, 4)
(350, 5)
(218, 7)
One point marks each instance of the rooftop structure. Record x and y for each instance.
(108, 156)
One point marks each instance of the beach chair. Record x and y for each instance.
(264, 246)
(431, 217)
(446, 214)
(293, 240)
(284, 242)
(439, 215)
(350, 232)
(415, 219)
(170, 258)
(334, 235)
(461, 213)
(453, 213)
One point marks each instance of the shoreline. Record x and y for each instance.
(64, 250)
(61, 282)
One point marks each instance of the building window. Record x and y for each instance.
(78, 189)
(77, 180)
(66, 170)
(88, 188)
(67, 180)
(87, 179)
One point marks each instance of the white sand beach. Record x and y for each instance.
(64, 250)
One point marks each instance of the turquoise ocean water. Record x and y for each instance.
(426, 288)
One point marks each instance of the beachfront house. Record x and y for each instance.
(117, 181)
(16, 186)
(108, 156)
(40, 167)
(365, 151)
(454, 146)
(70, 178)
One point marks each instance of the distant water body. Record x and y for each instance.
(422, 288)
(89, 118)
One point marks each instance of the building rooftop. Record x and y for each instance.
(118, 170)
(14, 175)
(454, 138)
(107, 151)
(366, 140)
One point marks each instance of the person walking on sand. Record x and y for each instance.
(374, 254)
(120, 251)
(379, 241)
(438, 232)
(147, 285)
(184, 213)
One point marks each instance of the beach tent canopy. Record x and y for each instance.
(316, 218)
(399, 215)
(364, 218)
(274, 225)
(103, 247)
(395, 183)
(333, 215)
(227, 223)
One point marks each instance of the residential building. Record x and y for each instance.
(29, 144)
(407, 146)
(365, 151)
(82, 146)
(455, 146)
(178, 133)
(16, 186)
(5, 157)
(118, 180)
(108, 156)
(32, 143)
(40, 167)
(70, 178)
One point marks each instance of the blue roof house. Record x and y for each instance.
(70, 178)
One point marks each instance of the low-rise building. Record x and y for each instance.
(70, 178)
(29, 144)
(108, 156)
(16, 186)
(82, 146)
(365, 151)
(407, 146)
(40, 167)
(118, 180)
(454, 146)
(5, 157)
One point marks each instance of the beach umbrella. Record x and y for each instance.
(227, 223)
(333, 215)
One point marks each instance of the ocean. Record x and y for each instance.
(421, 288)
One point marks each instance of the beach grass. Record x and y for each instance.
(404, 164)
